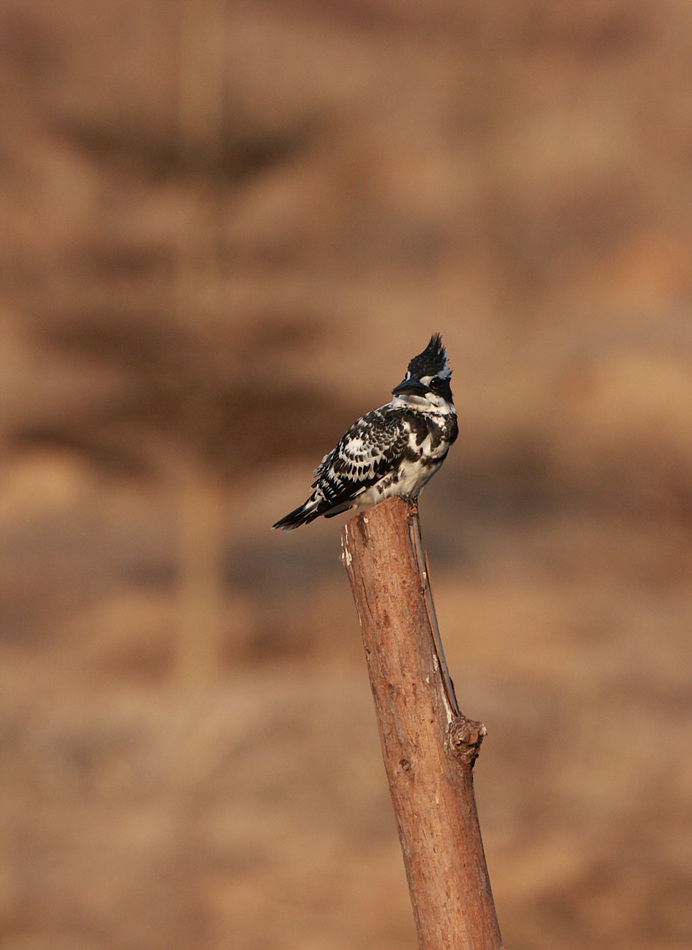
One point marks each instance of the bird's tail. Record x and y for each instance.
(304, 514)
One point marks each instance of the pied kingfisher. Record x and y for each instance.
(393, 450)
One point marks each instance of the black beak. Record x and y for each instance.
(410, 387)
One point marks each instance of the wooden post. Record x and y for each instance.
(429, 747)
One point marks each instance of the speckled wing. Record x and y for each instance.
(373, 446)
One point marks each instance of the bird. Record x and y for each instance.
(392, 450)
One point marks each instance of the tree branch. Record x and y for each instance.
(428, 746)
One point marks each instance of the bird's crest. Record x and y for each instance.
(432, 361)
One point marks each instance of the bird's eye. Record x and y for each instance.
(435, 384)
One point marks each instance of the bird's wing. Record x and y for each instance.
(373, 446)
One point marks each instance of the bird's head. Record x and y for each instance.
(427, 382)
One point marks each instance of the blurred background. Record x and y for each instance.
(225, 229)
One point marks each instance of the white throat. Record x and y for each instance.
(429, 403)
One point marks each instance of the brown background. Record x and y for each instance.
(225, 229)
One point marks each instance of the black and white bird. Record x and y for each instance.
(393, 450)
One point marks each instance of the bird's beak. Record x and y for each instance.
(410, 387)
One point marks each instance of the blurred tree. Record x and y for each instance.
(186, 403)
(197, 306)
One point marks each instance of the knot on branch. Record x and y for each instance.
(465, 737)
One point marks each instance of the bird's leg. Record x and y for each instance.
(412, 502)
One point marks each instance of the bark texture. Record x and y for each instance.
(429, 747)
